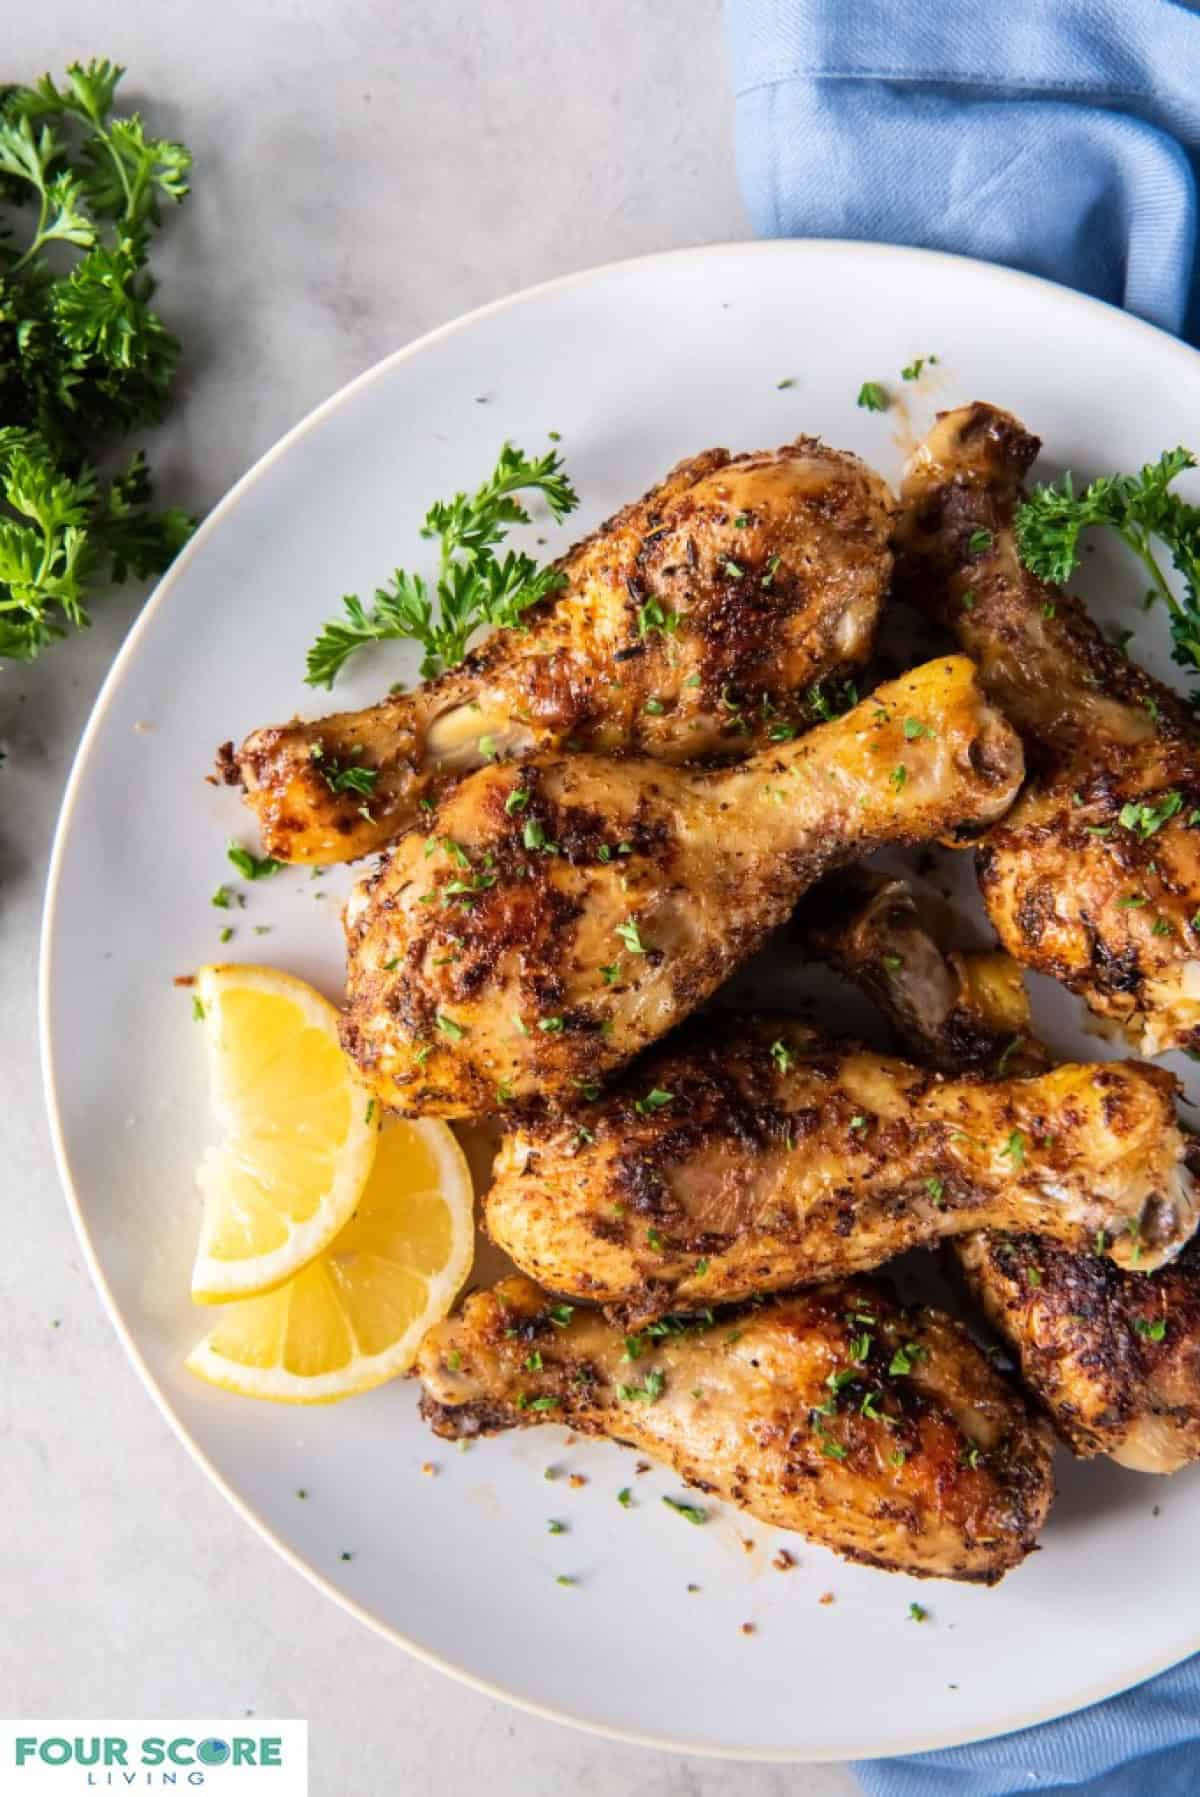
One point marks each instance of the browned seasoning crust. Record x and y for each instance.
(1071, 890)
(779, 1159)
(693, 625)
(1113, 1354)
(561, 915)
(796, 1410)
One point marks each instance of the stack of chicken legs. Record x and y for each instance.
(697, 1201)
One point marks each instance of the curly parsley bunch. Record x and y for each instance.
(84, 358)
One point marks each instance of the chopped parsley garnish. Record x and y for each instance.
(1153, 1331)
(198, 1011)
(517, 800)
(654, 1100)
(625, 1497)
(914, 729)
(226, 933)
(734, 570)
(968, 600)
(631, 936)
(913, 371)
(652, 616)
(656, 1240)
(560, 1314)
(693, 1512)
(872, 397)
(1014, 1148)
(251, 866)
(905, 1358)
(782, 1056)
(554, 1527)
(610, 974)
(553, 1026)
(222, 898)
(1144, 820)
(352, 778)
(454, 1031)
(654, 707)
(893, 963)
(979, 542)
(648, 1392)
(1131, 901)
(525, 1402)
(533, 835)
(917, 1612)
(935, 1187)
(474, 586)
(898, 777)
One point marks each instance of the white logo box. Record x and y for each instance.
(247, 1757)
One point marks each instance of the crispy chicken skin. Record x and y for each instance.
(793, 1410)
(561, 915)
(1071, 890)
(1113, 1355)
(781, 1159)
(692, 625)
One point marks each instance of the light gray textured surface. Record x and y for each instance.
(364, 171)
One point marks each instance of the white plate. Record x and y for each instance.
(636, 365)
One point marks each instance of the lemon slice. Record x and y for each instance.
(299, 1131)
(356, 1315)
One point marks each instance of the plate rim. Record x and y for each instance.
(834, 248)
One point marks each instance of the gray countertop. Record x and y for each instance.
(363, 172)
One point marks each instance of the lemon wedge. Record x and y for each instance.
(356, 1315)
(299, 1131)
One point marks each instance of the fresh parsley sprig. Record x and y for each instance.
(84, 359)
(1140, 508)
(474, 586)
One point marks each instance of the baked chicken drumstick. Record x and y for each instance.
(1094, 876)
(1112, 1354)
(693, 624)
(561, 915)
(753, 1156)
(879, 1432)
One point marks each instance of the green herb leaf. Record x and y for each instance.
(1139, 508)
(474, 586)
(693, 1513)
(251, 866)
(872, 397)
(648, 1392)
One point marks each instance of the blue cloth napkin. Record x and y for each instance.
(1057, 136)
(1061, 137)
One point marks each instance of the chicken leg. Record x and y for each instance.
(694, 624)
(1112, 1354)
(1094, 876)
(879, 1432)
(754, 1156)
(561, 915)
